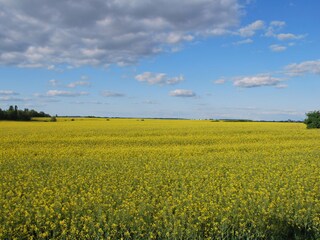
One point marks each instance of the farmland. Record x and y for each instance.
(158, 179)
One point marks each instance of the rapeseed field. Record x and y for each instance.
(158, 179)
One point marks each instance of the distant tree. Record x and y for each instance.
(313, 119)
(2, 114)
(14, 114)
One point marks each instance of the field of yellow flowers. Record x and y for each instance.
(158, 179)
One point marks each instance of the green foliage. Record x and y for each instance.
(14, 114)
(313, 119)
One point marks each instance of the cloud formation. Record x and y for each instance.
(299, 69)
(245, 41)
(158, 78)
(47, 33)
(289, 36)
(8, 92)
(182, 93)
(112, 94)
(58, 93)
(54, 82)
(277, 48)
(259, 80)
(78, 83)
(13, 99)
(274, 28)
(250, 30)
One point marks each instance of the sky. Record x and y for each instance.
(199, 59)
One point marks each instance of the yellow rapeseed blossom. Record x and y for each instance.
(158, 179)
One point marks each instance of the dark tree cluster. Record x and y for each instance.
(313, 119)
(14, 114)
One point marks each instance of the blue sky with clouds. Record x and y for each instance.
(167, 58)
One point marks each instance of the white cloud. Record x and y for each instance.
(278, 24)
(158, 78)
(58, 93)
(78, 83)
(298, 69)
(277, 48)
(275, 26)
(220, 81)
(112, 94)
(182, 93)
(289, 36)
(259, 80)
(245, 41)
(51, 33)
(250, 30)
(13, 99)
(8, 92)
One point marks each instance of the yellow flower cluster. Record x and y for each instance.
(158, 179)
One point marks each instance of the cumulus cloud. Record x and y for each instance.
(8, 92)
(182, 93)
(250, 30)
(277, 48)
(58, 93)
(47, 33)
(158, 78)
(112, 94)
(78, 83)
(259, 80)
(298, 69)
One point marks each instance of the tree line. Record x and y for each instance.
(14, 114)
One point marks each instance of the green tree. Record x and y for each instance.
(313, 119)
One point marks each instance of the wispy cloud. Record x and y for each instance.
(54, 82)
(245, 41)
(277, 48)
(220, 81)
(298, 69)
(78, 83)
(88, 102)
(259, 80)
(274, 28)
(13, 99)
(58, 93)
(112, 94)
(149, 102)
(182, 93)
(250, 30)
(158, 78)
(8, 92)
(289, 36)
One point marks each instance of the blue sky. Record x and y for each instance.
(191, 59)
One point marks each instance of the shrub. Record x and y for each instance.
(313, 119)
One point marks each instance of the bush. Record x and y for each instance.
(313, 119)
(53, 119)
